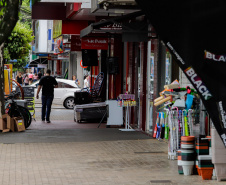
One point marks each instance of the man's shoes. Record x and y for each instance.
(48, 121)
(43, 120)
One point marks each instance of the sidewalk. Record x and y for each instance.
(68, 153)
(122, 162)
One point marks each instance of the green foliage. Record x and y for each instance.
(34, 1)
(18, 44)
(25, 13)
(3, 4)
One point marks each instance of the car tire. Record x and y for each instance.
(69, 103)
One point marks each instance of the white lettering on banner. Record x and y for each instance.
(223, 136)
(218, 58)
(198, 83)
(222, 113)
(175, 53)
(94, 41)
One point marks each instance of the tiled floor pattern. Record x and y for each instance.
(134, 162)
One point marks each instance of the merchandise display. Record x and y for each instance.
(184, 123)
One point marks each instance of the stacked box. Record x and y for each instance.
(202, 146)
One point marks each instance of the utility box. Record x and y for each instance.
(115, 116)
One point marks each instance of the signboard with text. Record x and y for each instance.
(75, 43)
(94, 43)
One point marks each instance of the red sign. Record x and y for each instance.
(73, 27)
(72, 8)
(94, 43)
(75, 43)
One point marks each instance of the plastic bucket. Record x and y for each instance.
(187, 146)
(187, 167)
(187, 142)
(187, 155)
(187, 138)
(179, 162)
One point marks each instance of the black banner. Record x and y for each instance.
(195, 33)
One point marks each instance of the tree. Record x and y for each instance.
(9, 10)
(8, 18)
(18, 44)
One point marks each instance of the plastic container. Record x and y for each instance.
(187, 155)
(206, 173)
(186, 146)
(205, 161)
(179, 163)
(187, 167)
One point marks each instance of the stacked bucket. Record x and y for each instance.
(202, 146)
(204, 163)
(187, 154)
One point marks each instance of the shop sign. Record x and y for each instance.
(214, 57)
(198, 83)
(75, 43)
(57, 28)
(53, 57)
(58, 45)
(42, 65)
(223, 114)
(112, 26)
(63, 57)
(94, 43)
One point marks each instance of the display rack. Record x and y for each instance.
(127, 101)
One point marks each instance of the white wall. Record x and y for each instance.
(41, 36)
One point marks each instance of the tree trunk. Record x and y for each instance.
(7, 23)
(2, 107)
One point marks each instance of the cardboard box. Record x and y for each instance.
(19, 124)
(6, 123)
(3, 122)
(10, 123)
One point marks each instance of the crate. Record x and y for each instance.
(220, 170)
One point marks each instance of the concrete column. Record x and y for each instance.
(72, 69)
(80, 75)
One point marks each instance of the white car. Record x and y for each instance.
(64, 94)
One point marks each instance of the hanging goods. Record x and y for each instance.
(189, 101)
(166, 127)
(190, 122)
(159, 127)
(186, 133)
(162, 126)
(155, 130)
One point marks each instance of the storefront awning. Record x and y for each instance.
(35, 63)
(104, 26)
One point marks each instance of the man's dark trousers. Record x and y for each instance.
(46, 107)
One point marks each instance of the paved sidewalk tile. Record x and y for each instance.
(127, 162)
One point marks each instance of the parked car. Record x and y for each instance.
(63, 95)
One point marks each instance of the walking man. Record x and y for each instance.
(47, 83)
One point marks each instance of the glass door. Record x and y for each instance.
(150, 89)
